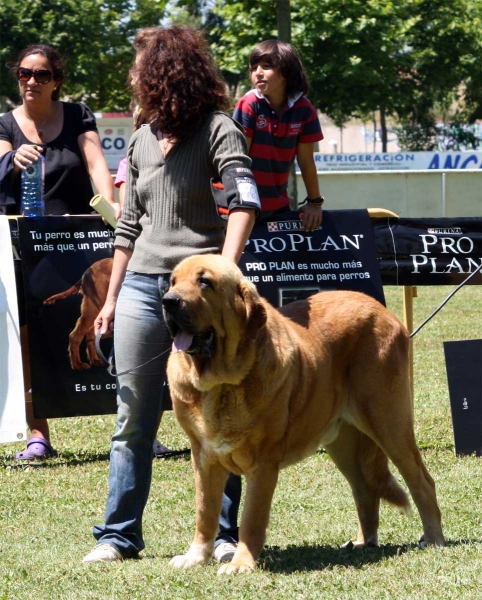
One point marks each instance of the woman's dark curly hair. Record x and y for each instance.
(176, 79)
(284, 57)
(57, 63)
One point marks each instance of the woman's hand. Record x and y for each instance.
(117, 210)
(105, 320)
(26, 155)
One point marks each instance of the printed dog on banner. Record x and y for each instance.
(56, 254)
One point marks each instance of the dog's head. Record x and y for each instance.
(210, 309)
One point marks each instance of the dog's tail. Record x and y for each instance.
(75, 289)
(374, 465)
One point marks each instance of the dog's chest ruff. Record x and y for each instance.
(218, 446)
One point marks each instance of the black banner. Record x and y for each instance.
(436, 251)
(66, 263)
(464, 374)
(286, 263)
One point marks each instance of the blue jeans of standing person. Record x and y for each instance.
(228, 521)
(140, 334)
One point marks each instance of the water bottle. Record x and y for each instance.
(32, 189)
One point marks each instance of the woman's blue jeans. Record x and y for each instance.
(228, 521)
(139, 335)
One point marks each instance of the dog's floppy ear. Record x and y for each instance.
(256, 315)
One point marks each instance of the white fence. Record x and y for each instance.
(427, 193)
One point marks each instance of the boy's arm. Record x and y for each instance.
(310, 215)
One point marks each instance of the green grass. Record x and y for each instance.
(47, 512)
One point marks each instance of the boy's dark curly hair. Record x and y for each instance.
(176, 79)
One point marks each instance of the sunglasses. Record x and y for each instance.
(40, 75)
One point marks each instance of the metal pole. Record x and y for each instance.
(283, 16)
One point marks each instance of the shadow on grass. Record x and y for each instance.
(70, 459)
(317, 558)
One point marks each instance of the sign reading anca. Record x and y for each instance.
(399, 161)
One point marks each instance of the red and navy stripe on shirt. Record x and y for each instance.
(274, 142)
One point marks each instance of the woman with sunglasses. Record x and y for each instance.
(66, 135)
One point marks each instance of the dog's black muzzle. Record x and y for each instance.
(183, 331)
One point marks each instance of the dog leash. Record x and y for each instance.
(110, 362)
(478, 270)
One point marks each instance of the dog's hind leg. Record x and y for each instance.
(405, 455)
(346, 454)
(91, 351)
(82, 326)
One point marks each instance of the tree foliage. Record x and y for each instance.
(94, 36)
(413, 60)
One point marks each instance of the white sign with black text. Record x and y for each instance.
(399, 161)
(12, 400)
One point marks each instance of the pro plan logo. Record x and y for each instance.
(445, 230)
(261, 122)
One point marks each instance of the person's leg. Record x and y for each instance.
(38, 446)
(228, 520)
(38, 427)
(139, 335)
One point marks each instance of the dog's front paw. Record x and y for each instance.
(189, 560)
(185, 561)
(235, 567)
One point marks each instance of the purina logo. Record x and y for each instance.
(288, 226)
(445, 230)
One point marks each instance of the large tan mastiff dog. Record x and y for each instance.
(258, 389)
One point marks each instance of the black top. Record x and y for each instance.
(67, 186)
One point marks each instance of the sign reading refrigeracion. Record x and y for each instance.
(398, 161)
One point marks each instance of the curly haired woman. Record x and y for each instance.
(169, 213)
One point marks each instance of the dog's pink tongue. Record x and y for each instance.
(181, 342)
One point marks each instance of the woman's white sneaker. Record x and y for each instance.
(224, 552)
(103, 553)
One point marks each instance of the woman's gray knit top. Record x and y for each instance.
(169, 211)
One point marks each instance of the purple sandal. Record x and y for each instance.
(37, 449)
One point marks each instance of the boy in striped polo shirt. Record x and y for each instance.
(280, 124)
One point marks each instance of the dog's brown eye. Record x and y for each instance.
(205, 282)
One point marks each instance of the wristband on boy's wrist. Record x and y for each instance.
(315, 201)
